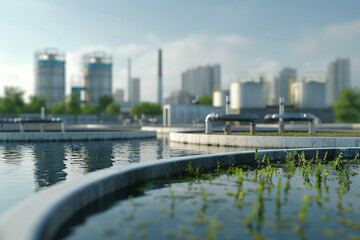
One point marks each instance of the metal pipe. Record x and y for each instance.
(227, 117)
(281, 128)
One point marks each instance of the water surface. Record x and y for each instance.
(26, 168)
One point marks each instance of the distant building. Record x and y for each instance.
(160, 79)
(309, 95)
(136, 90)
(338, 79)
(282, 85)
(98, 76)
(201, 81)
(179, 98)
(50, 75)
(119, 95)
(187, 114)
(247, 95)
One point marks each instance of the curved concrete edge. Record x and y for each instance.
(173, 129)
(41, 216)
(74, 136)
(264, 141)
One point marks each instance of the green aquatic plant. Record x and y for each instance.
(304, 209)
(212, 231)
(256, 211)
(203, 195)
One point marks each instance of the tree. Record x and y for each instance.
(206, 100)
(146, 108)
(112, 109)
(35, 104)
(88, 109)
(12, 102)
(347, 107)
(58, 108)
(73, 105)
(104, 101)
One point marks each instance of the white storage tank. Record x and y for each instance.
(98, 76)
(252, 95)
(50, 75)
(310, 94)
(218, 98)
(235, 95)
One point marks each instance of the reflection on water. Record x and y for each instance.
(26, 168)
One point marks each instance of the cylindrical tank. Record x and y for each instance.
(50, 75)
(235, 95)
(98, 76)
(218, 98)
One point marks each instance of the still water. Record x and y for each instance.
(26, 168)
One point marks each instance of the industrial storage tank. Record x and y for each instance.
(218, 98)
(252, 95)
(309, 95)
(235, 95)
(50, 75)
(98, 76)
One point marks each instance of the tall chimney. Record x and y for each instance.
(160, 90)
(130, 87)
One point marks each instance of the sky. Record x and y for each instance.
(247, 37)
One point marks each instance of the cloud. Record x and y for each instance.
(308, 46)
(315, 51)
(18, 76)
(130, 49)
(232, 52)
(335, 39)
(345, 31)
(234, 40)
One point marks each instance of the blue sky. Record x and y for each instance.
(243, 36)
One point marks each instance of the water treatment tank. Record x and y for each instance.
(235, 95)
(50, 75)
(218, 98)
(98, 76)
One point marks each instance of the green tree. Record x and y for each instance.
(112, 109)
(206, 100)
(104, 101)
(13, 101)
(58, 108)
(88, 109)
(146, 108)
(347, 107)
(73, 105)
(35, 104)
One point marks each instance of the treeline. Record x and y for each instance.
(13, 103)
(347, 108)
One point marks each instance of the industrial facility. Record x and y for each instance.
(202, 80)
(50, 75)
(98, 76)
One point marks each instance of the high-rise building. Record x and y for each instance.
(282, 85)
(98, 76)
(202, 80)
(119, 95)
(160, 84)
(338, 79)
(130, 87)
(136, 90)
(179, 98)
(50, 75)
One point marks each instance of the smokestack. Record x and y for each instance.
(160, 95)
(130, 87)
